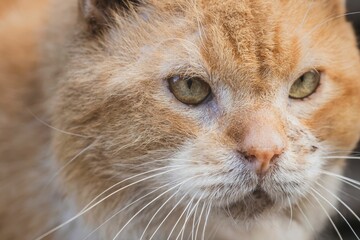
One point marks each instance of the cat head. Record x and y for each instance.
(237, 103)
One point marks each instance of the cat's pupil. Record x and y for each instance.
(189, 83)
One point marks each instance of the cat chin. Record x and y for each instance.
(251, 207)
(254, 206)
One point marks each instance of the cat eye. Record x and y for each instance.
(189, 90)
(306, 85)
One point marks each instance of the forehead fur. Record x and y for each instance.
(263, 35)
(254, 36)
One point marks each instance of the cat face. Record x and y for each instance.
(235, 103)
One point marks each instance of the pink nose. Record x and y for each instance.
(264, 141)
(263, 158)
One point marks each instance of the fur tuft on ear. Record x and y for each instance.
(97, 13)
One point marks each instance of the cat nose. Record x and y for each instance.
(263, 142)
(262, 146)
(262, 158)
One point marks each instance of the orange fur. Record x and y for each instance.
(80, 111)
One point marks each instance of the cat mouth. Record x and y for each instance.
(257, 203)
(259, 194)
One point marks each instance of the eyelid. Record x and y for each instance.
(189, 70)
(317, 70)
(294, 79)
(186, 94)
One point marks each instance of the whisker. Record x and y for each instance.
(57, 129)
(127, 223)
(177, 222)
(342, 216)
(161, 161)
(343, 151)
(199, 222)
(305, 217)
(348, 183)
(190, 210)
(155, 214)
(306, 14)
(213, 232)
(328, 216)
(316, 27)
(341, 177)
(193, 215)
(291, 212)
(166, 217)
(188, 215)
(88, 207)
(326, 21)
(341, 201)
(70, 161)
(206, 220)
(194, 218)
(341, 157)
(229, 212)
(124, 208)
(130, 178)
(127, 186)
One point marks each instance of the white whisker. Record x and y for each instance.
(206, 219)
(328, 21)
(341, 157)
(124, 208)
(166, 217)
(57, 129)
(305, 217)
(177, 222)
(70, 161)
(342, 216)
(306, 14)
(155, 214)
(341, 201)
(143, 208)
(189, 212)
(341, 177)
(199, 222)
(328, 216)
(88, 207)
(127, 179)
(291, 213)
(194, 218)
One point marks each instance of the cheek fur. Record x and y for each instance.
(216, 174)
(219, 173)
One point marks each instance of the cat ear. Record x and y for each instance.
(98, 13)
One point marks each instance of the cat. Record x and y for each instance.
(175, 119)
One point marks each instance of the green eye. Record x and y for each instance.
(306, 85)
(189, 90)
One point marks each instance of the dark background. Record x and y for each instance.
(350, 195)
(353, 6)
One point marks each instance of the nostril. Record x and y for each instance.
(262, 159)
(254, 157)
(247, 156)
(274, 158)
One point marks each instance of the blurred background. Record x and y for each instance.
(354, 6)
(349, 195)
